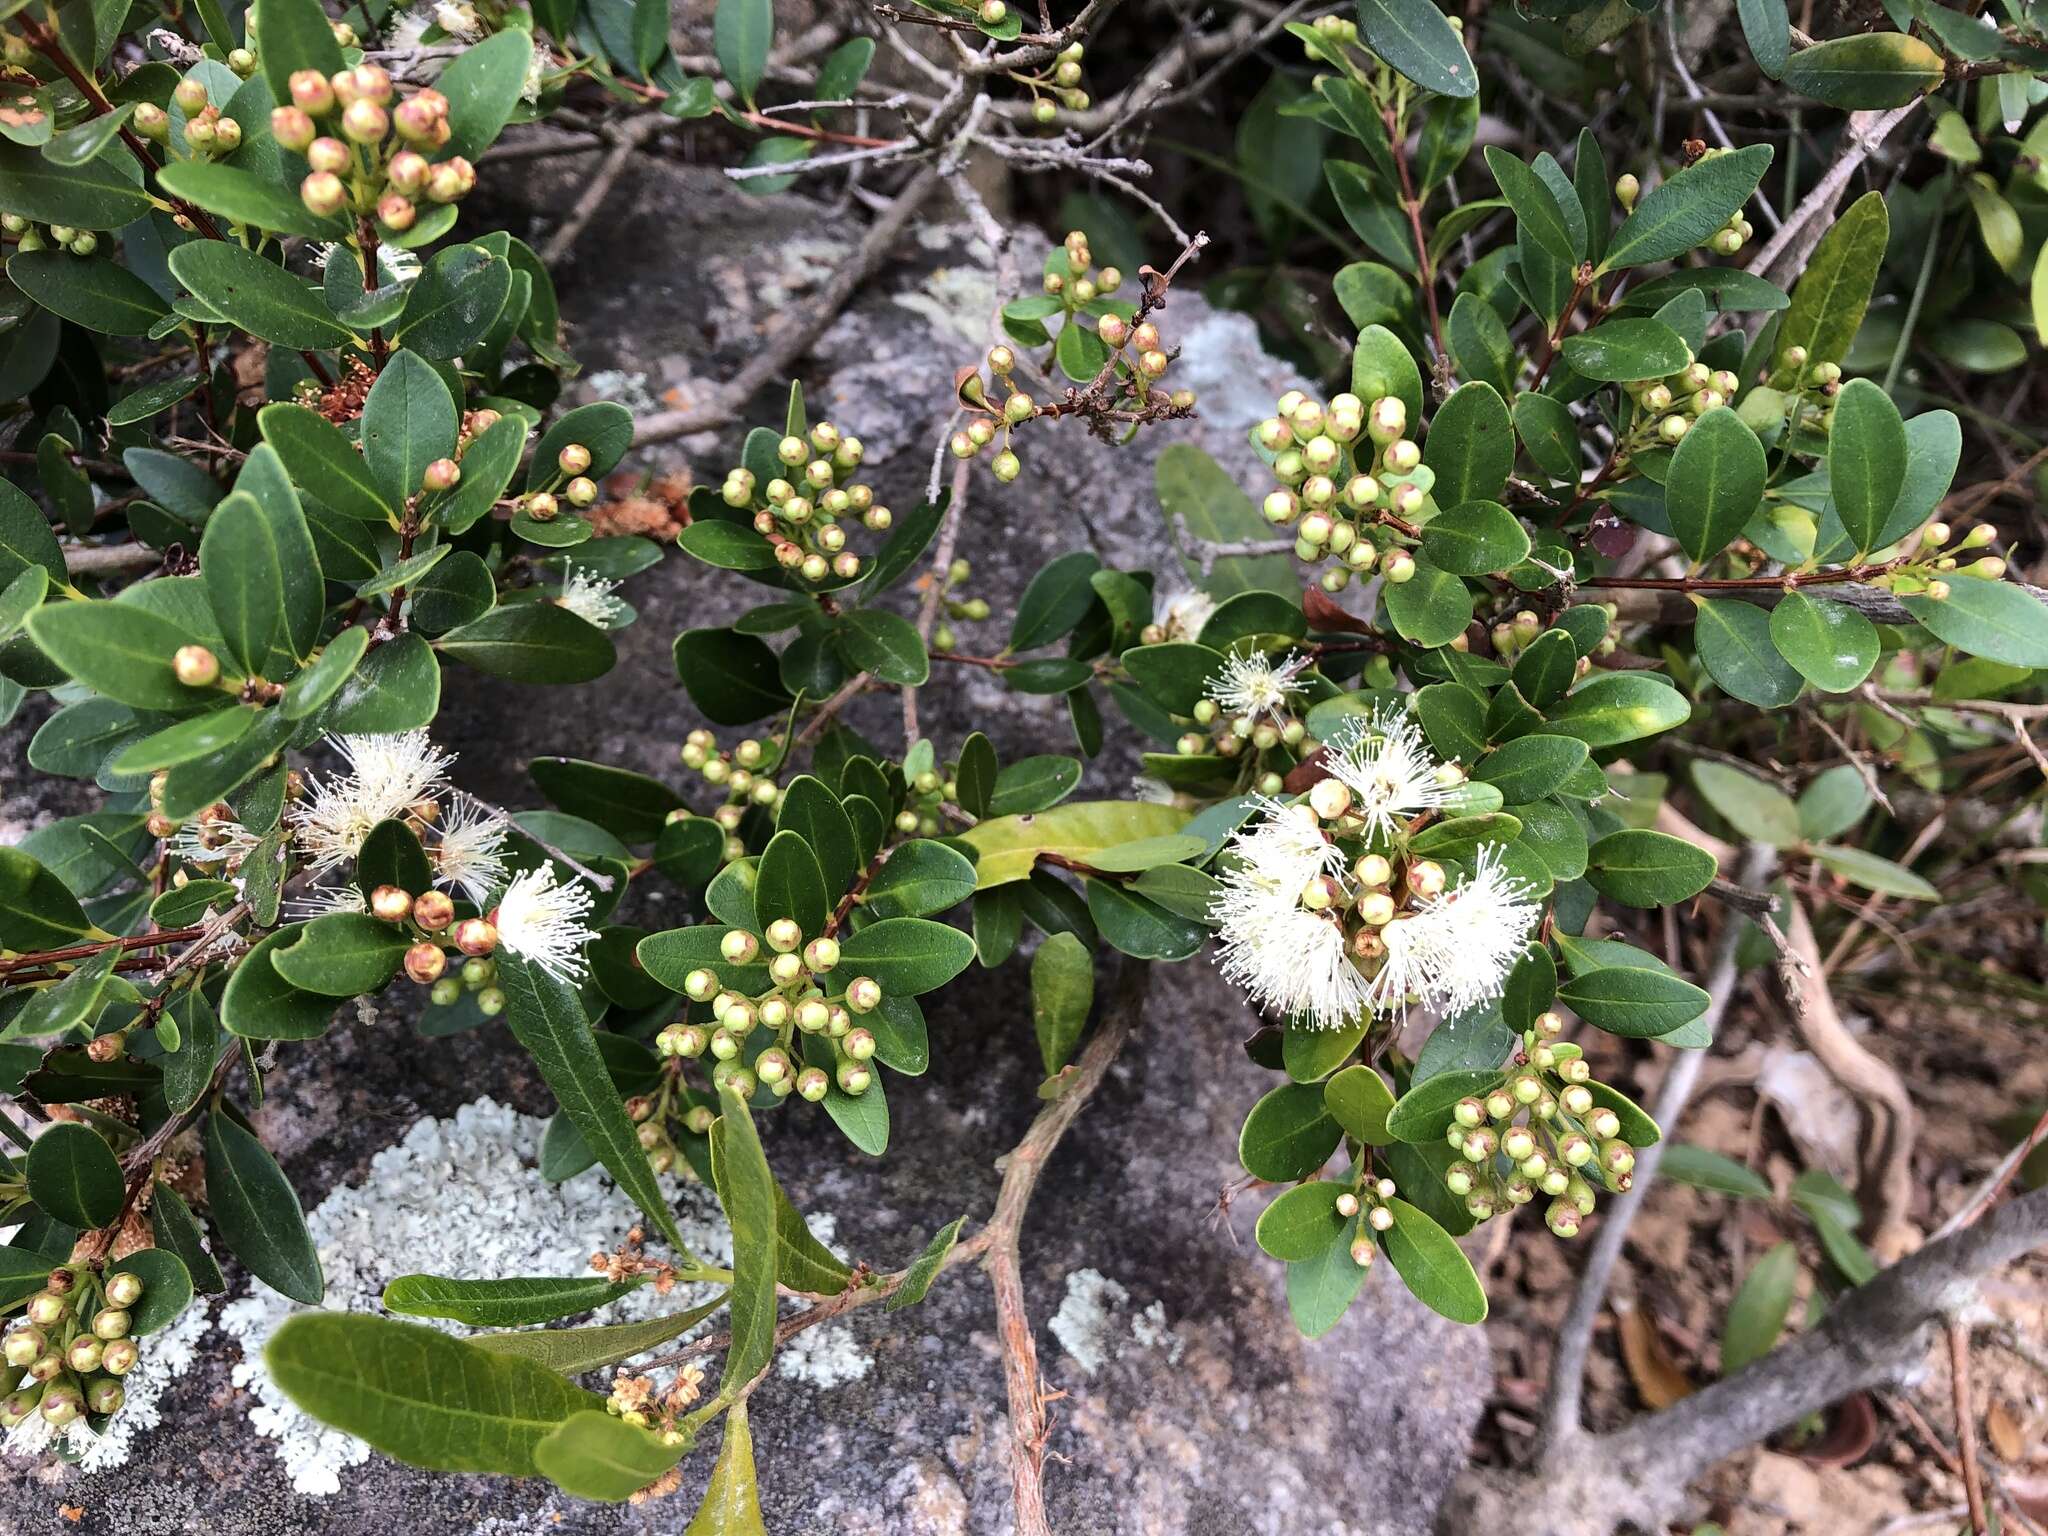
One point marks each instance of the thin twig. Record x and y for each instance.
(1966, 1423)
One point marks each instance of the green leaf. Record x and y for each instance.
(1321, 1289)
(506, 1303)
(396, 687)
(454, 302)
(98, 294)
(1537, 214)
(483, 84)
(266, 301)
(1056, 600)
(907, 955)
(1009, 846)
(243, 568)
(1865, 72)
(597, 1455)
(1715, 483)
(1627, 349)
(1866, 459)
(1431, 608)
(167, 1288)
(1413, 37)
(242, 197)
(26, 539)
(1614, 707)
(1686, 210)
(1141, 928)
(1756, 1315)
(1702, 1169)
(1636, 1003)
(259, 1217)
(1830, 644)
(1759, 811)
(259, 1004)
(37, 911)
(1830, 298)
(1175, 673)
(74, 1177)
(747, 1191)
(419, 1395)
(731, 1506)
(733, 679)
(1423, 1113)
(790, 885)
(1382, 364)
(343, 954)
(926, 1267)
(1997, 620)
(918, 879)
(1302, 1221)
(321, 459)
(1288, 1134)
(1530, 767)
(1874, 873)
(630, 805)
(532, 643)
(100, 195)
(296, 34)
(118, 649)
(547, 1018)
(741, 31)
(1359, 1100)
(1734, 641)
(883, 644)
(1641, 868)
(1435, 1268)
(1062, 992)
(1768, 31)
(572, 1351)
(1471, 450)
(409, 420)
(1034, 784)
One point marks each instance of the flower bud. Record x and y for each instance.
(739, 947)
(1626, 191)
(784, 935)
(476, 937)
(1113, 329)
(190, 95)
(542, 507)
(196, 666)
(854, 1078)
(812, 1084)
(1006, 466)
(1399, 567)
(111, 1322)
(1388, 420)
(290, 126)
(396, 213)
(365, 122)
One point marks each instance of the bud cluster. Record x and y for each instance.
(1056, 85)
(29, 236)
(1925, 564)
(1541, 1130)
(973, 610)
(800, 511)
(750, 1038)
(742, 773)
(432, 922)
(71, 1346)
(1345, 469)
(365, 154)
(1512, 636)
(1666, 408)
(567, 481)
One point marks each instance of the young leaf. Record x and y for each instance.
(1756, 1317)
(1062, 991)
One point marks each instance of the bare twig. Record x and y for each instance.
(625, 141)
(1966, 1423)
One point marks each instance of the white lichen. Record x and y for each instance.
(462, 1197)
(1084, 1324)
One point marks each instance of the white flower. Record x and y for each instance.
(387, 775)
(1283, 955)
(322, 900)
(1390, 771)
(458, 21)
(538, 68)
(206, 842)
(469, 848)
(1182, 614)
(408, 31)
(1474, 934)
(1253, 687)
(589, 597)
(542, 921)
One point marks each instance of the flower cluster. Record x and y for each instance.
(1666, 408)
(375, 161)
(1052, 87)
(1326, 917)
(1543, 1129)
(743, 774)
(72, 1348)
(1346, 470)
(568, 481)
(1250, 713)
(799, 514)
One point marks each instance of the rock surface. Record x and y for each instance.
(1191, 1404)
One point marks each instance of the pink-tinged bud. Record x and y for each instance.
(323, 194)
(1113, 329)
(372, 84)
(365, 122)
(292, 128)
(414, 120)
(574, 459)
(326, 154)
(151, 121)
(311, 92)
(343, 84)
(190, 95)
(396, 211)
(445, 185)
(442, 474)
(408, 172)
